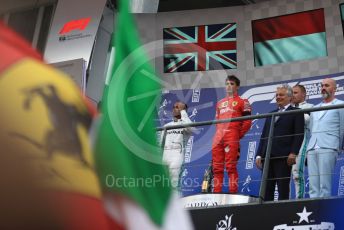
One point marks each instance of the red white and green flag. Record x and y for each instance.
(293, 37)
(136, 185)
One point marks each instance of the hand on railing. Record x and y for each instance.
(259, 162)
(291, 159)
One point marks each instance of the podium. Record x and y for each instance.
(301, 214)
(205, 200)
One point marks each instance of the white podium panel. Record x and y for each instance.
(209, 200)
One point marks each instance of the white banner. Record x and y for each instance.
(73, 30)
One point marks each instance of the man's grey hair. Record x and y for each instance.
(288, 88)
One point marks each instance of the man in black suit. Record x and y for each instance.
(286, 143)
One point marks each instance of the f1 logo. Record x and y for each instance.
(79, 24)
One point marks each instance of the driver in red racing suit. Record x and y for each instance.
(227, 136)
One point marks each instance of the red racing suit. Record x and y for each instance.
(226, 140)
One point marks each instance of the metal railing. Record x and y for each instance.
(252, 117)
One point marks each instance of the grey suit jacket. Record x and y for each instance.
(327, 127)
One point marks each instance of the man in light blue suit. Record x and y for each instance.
(326, 128)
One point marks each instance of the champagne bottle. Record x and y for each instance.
(207, 179)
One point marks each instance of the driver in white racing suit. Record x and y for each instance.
(175, 141)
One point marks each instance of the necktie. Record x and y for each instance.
(280, 110)
(297, 105)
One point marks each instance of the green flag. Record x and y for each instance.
(127, 156)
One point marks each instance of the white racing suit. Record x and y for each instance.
(174, 149)
(298, 168)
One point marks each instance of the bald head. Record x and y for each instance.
(330, 81)
(328, 89)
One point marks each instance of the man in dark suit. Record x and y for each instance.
(286, 143)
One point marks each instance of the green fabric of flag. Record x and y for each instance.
(127, 156)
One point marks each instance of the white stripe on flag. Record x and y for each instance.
(128, 214)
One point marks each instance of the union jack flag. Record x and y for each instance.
(199, 48)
